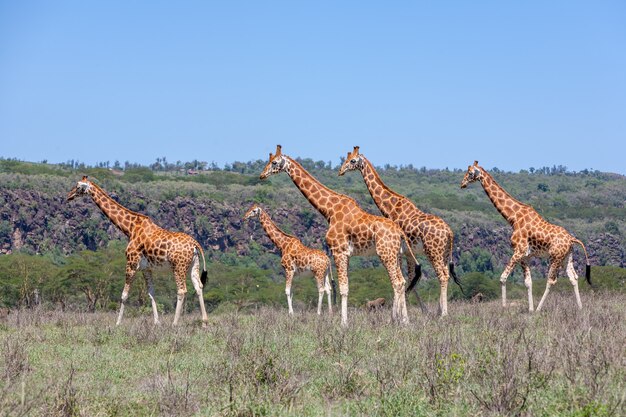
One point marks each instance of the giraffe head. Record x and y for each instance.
(354, 161)
(255, 211)
(276, 164)
(474, 173)
(82, 187)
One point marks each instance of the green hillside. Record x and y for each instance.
(60, 248)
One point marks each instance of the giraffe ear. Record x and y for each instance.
(278, 150)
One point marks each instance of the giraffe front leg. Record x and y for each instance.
(528, 282)
(341, 262)
(552, 276)
(148, 276)
(289, 272)
(573, 279)
(180, 275)
(132, 263)
(517, 256)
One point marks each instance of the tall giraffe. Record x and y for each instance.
(532, 236)
(351, 231)
(431, 231)
(296, 257)
(148, 246)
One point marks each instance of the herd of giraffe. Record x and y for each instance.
(351, 231)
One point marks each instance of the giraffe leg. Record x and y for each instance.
(528, 282)
(319, 278)
(411, 267)
(197, 285)
(399, 310)
(517, 256)
(573, 278)
(289, 272)
(327, 290)
(443, 275)
(341, 262)
(132, 263)
(180, 275)
(148, 276)
(552, 276)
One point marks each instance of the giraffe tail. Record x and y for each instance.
(203, 277)
(588, 265)
(418, 267)
(451, 265)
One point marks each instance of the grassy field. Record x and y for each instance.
(481, 360)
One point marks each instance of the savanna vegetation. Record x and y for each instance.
(62, 268)
(482, 360)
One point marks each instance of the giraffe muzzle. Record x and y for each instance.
(71, 194)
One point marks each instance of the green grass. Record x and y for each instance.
(481, 360)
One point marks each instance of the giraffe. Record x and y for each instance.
(148, 246)
(532, 237)
(430, 231)
(296, 257)
(351, 231)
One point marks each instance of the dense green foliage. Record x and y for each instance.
(91, 280)
(73, 255)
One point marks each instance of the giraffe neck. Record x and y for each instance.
(322, 198)
(119, 215)
(503, 201)
(276, 235)
(383, 196)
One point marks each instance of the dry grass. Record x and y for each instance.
(481, 361)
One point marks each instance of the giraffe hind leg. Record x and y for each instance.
(399, 310)
(197, 282)
(528, 282)
(147, 273)
(321, 281)
(573, 279)
(327, 289)
(552, 277)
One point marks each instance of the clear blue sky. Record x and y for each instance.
(428, 83)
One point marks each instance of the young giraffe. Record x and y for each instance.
(149, 245)
(532, 237)
(429, 230)
(296, 257)
(351, 231)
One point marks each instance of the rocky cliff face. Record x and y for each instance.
(40, 222)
